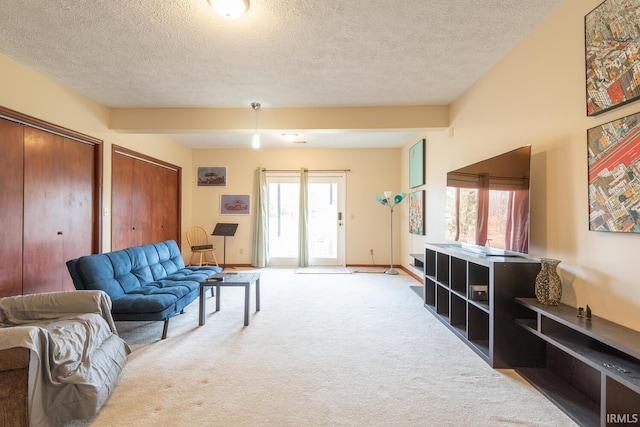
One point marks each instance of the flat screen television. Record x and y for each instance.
(488, 204)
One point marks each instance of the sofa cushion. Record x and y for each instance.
(195, 275)
(170, 259)
(140, 264)
(155, 304)
(109, 272)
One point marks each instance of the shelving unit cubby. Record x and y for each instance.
(487, 327)
(591, 368)
(418, 261)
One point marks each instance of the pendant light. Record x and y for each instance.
(230, 9)
(255, 142)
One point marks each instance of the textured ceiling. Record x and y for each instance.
(282, 53)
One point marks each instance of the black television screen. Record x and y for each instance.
(488, 204)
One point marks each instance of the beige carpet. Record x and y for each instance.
(343, 350)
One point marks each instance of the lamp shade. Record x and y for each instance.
(399, 197)
(255, 141)
(230, 9)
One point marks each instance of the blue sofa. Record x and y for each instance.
(146, 283)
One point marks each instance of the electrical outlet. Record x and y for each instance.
(241, 251)
(371, 252)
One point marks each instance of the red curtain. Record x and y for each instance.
(517, 235)
(482, 224)
(457, 213)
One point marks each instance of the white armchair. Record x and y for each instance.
(75, 356)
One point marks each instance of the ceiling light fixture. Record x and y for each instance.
(230, 9)
(255, 141)
(290, 136)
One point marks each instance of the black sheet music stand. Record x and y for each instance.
(224, 229)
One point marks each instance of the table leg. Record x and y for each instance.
(247, 292)
(258, 295)
(217, 297)
(202, 305)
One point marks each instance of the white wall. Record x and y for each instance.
(367, 222)
(536, 95)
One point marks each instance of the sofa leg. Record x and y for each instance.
(164, 329)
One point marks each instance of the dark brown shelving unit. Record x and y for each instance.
(418, 261)
(591, 368)
(487, 327)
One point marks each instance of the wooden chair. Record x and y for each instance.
(200, 246)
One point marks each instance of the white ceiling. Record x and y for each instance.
(281, 53)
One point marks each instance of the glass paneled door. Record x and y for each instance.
(326, 232)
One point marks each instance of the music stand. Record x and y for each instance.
(224, 229)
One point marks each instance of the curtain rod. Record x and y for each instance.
(310, 170)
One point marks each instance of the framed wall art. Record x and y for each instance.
(614, 175)
(611, 55)
(416, 212)
(235, 204)
(212, 176)
(416, 164)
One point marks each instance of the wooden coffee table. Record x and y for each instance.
(230, 279)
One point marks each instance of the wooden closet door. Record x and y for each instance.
(78, 203)
(122, 213)
(145, 200)
(11, 200)
(143, 203)
(171, 224)
(58, 208)
(44, 230)
(165, 219)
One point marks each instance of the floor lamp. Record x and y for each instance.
(387, 201)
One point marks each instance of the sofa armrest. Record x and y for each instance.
(14, 386)
(23, 309)
(14, 358)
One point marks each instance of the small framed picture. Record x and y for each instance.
(416, 212)
(416, 164)
(235, 204)
(212, 176)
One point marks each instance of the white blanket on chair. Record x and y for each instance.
(76, 354)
